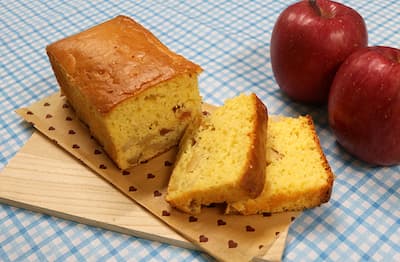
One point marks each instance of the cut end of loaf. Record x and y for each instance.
(154, 121)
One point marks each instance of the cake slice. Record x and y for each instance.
(136, 95)
(299, 176)
(221, 156)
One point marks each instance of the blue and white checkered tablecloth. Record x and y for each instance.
(230, 40)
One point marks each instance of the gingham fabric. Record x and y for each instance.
(231, 42)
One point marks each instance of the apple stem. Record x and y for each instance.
(315, 6)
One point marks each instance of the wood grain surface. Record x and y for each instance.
(42, 177)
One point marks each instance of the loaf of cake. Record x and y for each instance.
(221, 157)
(299, 176)
(136, 96)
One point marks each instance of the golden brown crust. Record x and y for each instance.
(325, 192)
(276, 204)
(116, 60)
(254, 178)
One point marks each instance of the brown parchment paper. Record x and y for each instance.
(226, 237)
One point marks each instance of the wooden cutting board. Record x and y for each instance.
(59, 185)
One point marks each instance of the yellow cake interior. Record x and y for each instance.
(213, 157)
(298, 175)
(145, 125)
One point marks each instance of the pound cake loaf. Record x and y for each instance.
(136, 95)
(299, 176)
(221, 156)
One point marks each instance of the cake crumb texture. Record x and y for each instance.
(221, 157)
(299, 176)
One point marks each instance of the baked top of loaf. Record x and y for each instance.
(299, 175)
(221, 157)
(116, 60)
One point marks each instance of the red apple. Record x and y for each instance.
(364, 105)
(309, 42)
